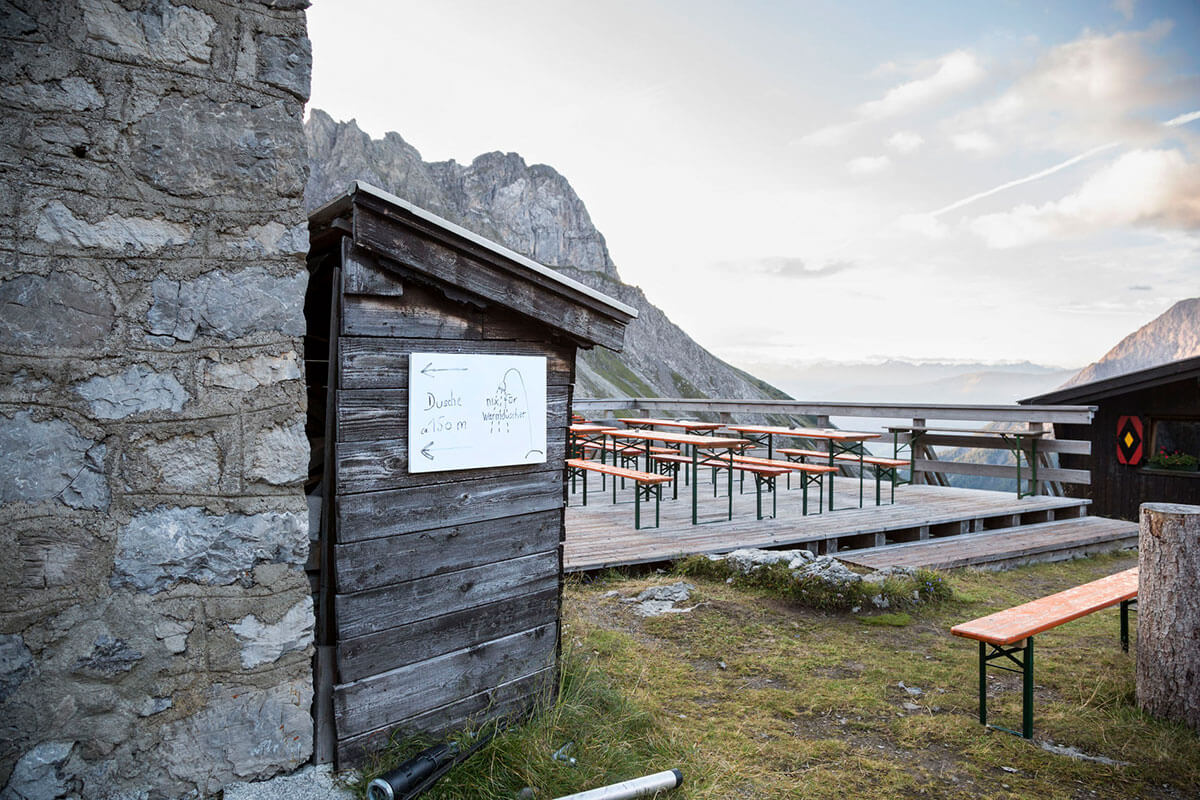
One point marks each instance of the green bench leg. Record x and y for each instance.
(1024, 666)
(1125, 604)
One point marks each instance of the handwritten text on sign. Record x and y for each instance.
(475, 411)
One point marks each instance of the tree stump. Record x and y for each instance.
(1168, 621)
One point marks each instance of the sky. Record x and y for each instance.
(827, 181)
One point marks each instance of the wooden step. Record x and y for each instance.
(1004, 548)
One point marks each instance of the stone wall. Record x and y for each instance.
(155, 620)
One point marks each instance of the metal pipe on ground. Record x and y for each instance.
(637, 787)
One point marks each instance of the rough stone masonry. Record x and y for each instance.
(155, 620)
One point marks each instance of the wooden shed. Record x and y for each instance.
(1138, 414)
(440, 368)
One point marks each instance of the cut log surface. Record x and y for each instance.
(1020, 622)
(1168, 626)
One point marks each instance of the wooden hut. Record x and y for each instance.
(440, 369)
(1139, 414)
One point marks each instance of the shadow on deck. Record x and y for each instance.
(933, 525)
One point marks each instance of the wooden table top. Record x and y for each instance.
(590, 427)
(807, 433)
(688, 425)
(1017, 623)
(977, 431)
(678, 438)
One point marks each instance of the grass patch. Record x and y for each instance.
(897, 620)
(614, 738)
(783, 700)
(900, 591)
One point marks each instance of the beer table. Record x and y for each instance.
(589, 432)
(696, 444)
(838, 442)
(687, 425)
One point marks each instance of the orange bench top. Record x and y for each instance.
(1020, 622)
(620, 472)
(795, 451)
(789, 466)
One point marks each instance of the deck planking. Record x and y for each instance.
(601, 535)
(1047, 541)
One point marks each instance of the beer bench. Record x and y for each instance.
(645, 483)
(1009, 633)
(809, 474)
(882, 467)
(764, 475)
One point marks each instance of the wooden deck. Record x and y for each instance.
(1004, 548)
(601, 535)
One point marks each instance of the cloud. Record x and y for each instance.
(973, 142)
(926, 225)
(1141, 287)
(1157, 188)
(1079, 94)
(1027, 179)
(1125, 7)
(829, 136)
(793, 267)
(868, 165)
(905, 142)
(1182, 119)
(955, 72)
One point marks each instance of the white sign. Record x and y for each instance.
(474, 411)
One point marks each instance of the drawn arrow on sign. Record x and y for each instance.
(429, 369)
(428, 450)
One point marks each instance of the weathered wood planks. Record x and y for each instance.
(375, 653)
(445, 585)
(414, 689)
(377, 414)
(371, 563)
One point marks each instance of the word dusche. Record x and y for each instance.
(470, 411)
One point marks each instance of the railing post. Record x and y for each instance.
(918, 476)
(1040, 487)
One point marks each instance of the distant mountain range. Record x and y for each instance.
(903, 381)
(533, 210)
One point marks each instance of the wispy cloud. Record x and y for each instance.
(1142, 187)
(868, 165)
(905, 142)
(955, 71)
(791, 267)
(1125, 7)
(1027, 179)
(1080, 94)
(951, 73)
(1182, 119)
(973, 142)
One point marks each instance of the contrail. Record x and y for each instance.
(1174, 122)
(1035, 176)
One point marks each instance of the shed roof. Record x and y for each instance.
(397, 230)
(1148, 378)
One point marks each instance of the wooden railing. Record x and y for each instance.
(928, 468)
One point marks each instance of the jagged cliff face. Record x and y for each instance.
(530, 209)
(1169, 337)
(533, 210)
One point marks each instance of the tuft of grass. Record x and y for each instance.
(925, 586)
(897, 620)
(613, 738)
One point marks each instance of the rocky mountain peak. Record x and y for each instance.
(1173, 335)
(530, 208)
